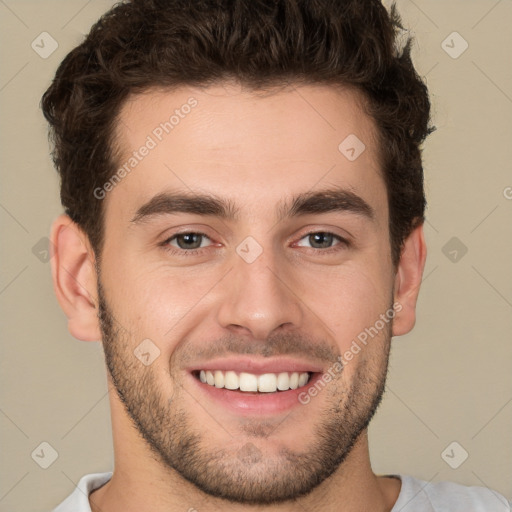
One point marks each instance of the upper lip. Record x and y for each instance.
(258, 365)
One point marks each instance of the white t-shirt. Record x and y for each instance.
(415, 496)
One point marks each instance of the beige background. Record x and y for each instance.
(450, 379)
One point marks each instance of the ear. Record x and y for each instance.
(408, 280)
(74, 278)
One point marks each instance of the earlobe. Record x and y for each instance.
(408, 280)
(74, 278)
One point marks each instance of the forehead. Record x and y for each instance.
(244, 145)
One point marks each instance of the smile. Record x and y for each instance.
(250, 382)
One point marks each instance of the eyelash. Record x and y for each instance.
(192, 252)
(183, 252)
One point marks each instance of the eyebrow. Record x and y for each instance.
(317, 202)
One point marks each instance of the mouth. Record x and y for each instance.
(245, 382)
(254, 387)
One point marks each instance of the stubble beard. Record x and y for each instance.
(241, 472)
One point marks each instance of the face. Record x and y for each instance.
(246, 257)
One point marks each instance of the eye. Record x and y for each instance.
(322, 240)
(191, 242)
(187, 241)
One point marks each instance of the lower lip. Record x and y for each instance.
(255, 403)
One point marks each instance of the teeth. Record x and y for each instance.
(266, 383)
(283, 382)
(231, 380)
(219, 379)
(248, 382)
(303, 378)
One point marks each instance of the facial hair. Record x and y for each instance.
(243, 473)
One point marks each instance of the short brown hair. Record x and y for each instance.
(261, 44)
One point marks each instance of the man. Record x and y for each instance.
(244, 202)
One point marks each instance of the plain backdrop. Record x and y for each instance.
(450, 379)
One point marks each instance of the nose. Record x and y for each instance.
(258, 298)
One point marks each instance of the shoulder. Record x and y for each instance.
(78, 500)
(422, 496)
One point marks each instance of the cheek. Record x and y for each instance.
(350, 300)
(161, 303)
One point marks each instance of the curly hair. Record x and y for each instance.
(262, 44)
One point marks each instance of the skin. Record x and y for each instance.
(257, 151)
